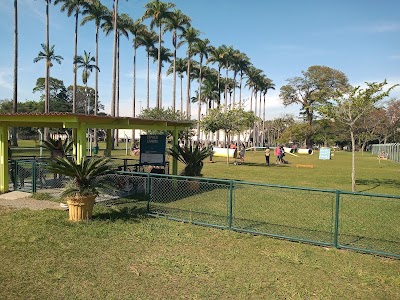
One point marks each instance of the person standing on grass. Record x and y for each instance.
(277, 153)
(267, 154)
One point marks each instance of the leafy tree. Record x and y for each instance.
(167, 114)
(389, 129)
(348, 108)
(232, 121)
(317, 85)
(59, 99)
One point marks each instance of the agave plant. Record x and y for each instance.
(86, 177)
(192, 158)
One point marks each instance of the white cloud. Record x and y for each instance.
(381, 27)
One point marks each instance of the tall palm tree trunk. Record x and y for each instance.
(75, 73)
(199, 105)
(46, 80)
(174, 73)
(188, 112)
(96, 86)
(114, 69)
(15, 88)
(255, 123)
(148, 81)
(117, 92)
(134, 91)
(181, 77)
(159, 104)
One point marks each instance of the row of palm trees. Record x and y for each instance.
(212, 85)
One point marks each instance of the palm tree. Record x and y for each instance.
(217, 56)
(48, 55)
(165, 55)
(176, 22)
(226, 62)
(97, 12)
(180, 69)
(202, 48)
(147, 39)
(15, 88)
(190, 36)
(86, 63)
(135, 28)
(158, 11)
(73, 7)
(122, 24)
(266, 85)
(242, 66)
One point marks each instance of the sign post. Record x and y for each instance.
(152, 149)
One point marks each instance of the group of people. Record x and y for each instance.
(279, 153)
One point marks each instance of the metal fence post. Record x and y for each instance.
(148, 192)
(230, 204)
(336, 228)
(34, 176)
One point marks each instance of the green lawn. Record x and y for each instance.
(122, 254)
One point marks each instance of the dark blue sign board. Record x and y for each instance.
(152, 149)
(325, 153)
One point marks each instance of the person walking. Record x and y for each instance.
(267, 154)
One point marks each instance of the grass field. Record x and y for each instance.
(122, 254)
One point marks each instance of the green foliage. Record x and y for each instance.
(232, 121)
(192, 158)
(317, 85)
(85, 177)
(166, 114)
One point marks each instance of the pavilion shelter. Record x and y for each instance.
(79, 123)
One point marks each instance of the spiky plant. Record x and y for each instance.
(51, 145)
(192, 158)
(86, 177)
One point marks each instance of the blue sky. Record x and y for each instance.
(360, 38)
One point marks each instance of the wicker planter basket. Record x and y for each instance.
(81, 207)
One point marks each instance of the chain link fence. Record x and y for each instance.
(387, 151)
(363, 222)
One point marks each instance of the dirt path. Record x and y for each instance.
(22, 200)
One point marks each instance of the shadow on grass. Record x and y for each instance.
(374, 183)
(121, 210)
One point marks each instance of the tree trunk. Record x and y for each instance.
(148, 81)
(114, 70)
(174, 73)
(199, 103)
(353, 162)
(15, 88)
(75, 55)
(96, 87)
(159, 70)
(134, 91)
(188, 112)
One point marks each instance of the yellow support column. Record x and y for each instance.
(81, 143)
(3, 159)
(107, 153)
(174, 160)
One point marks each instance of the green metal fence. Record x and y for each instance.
(391, 151)
(364, 222)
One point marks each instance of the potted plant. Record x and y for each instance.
(86, 180)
